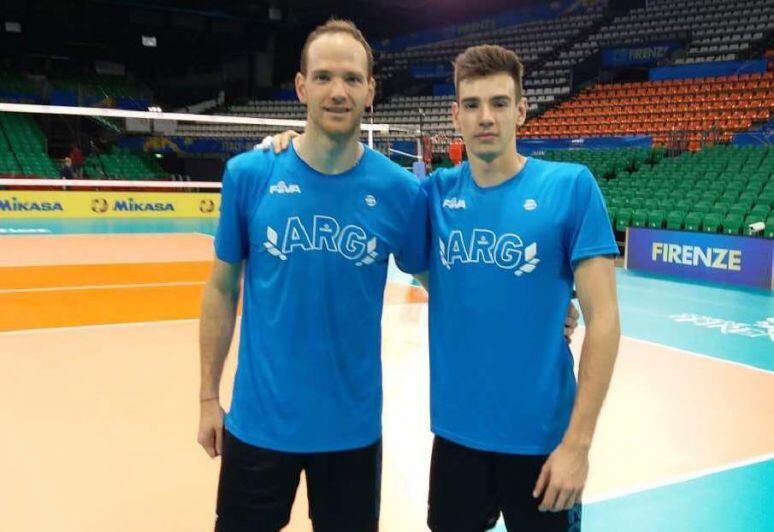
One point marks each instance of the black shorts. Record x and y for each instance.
(469, 488)
(257, 488)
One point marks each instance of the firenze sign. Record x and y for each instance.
(712, 257)
(649, 54)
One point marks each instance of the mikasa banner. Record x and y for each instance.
(739, 260)
(96, 204)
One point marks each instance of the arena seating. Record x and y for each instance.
(719, 189)
(698, 106)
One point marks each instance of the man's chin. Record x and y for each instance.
(488, 153)
(339, 129)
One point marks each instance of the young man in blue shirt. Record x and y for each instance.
(313, 227)
(510, 235)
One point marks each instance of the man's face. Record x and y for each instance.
(487, 114)
(336, 88)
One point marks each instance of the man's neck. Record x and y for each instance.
(328, 155)
(492, 173)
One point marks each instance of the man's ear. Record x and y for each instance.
(300, 82)
(521, 112)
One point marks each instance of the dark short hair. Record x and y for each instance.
(485, 60)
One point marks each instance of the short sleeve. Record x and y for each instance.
(231, 236)
(412, 256)
(589, 233)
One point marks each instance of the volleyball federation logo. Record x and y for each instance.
(99, 205)
(206, 206)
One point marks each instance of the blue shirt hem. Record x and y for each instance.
(496, 448)
(355, 443)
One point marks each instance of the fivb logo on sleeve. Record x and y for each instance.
(507, 251)
(350, 241)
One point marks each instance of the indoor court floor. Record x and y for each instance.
(99, 375)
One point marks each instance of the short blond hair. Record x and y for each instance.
(335, 25)
(485, 60)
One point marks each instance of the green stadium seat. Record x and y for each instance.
(618, 201)
(710, 196)
(720, 208)
(656, 218)
(640, 218)
(666, 205)
(677, 195)
(623, 219)
(684, 205)
(766, 198)
(769, 232)
(674, 220)
(739, 209)
(702, 206)
(712, 223)
(754, 187)
(732, 224)
(693, 196)
(729, 197)
(693, 221)
(748, 197)
(651, 204)
(611, 212)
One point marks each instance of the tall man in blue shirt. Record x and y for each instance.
(314, 227)
(510, 236)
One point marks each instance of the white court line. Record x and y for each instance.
(118, 235)
(75, 328)
(701, 355)
(97, 287)
(679, 479)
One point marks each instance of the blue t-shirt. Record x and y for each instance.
(316, 248)
(501, 278)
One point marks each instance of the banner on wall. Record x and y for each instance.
(644, 55)
(83, 204)
(187, 144)
(709, 69)
(739, 260)
(539, 146)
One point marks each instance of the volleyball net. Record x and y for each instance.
(59, 161)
